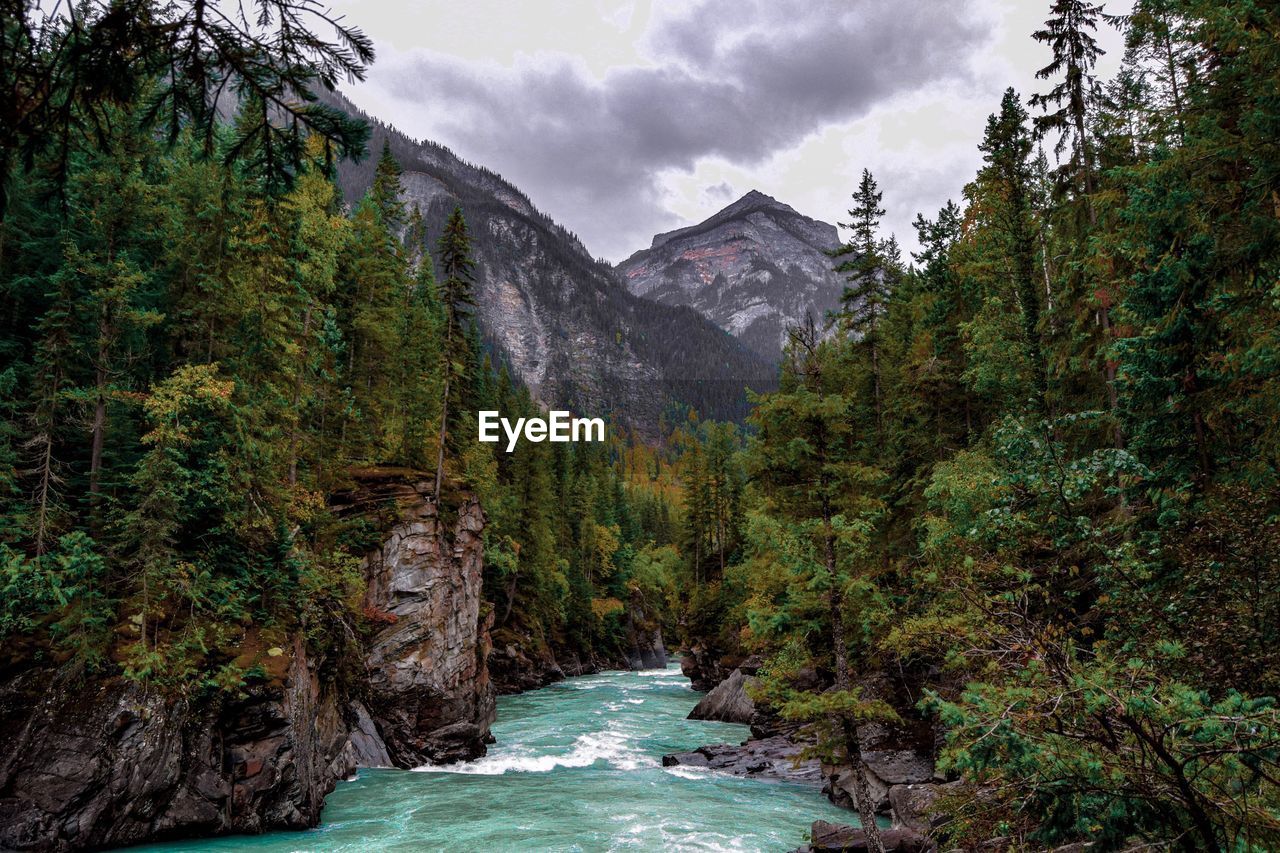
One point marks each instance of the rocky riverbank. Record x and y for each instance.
(521, 660)
(104, 761)
(898, 759)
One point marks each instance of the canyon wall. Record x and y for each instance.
(98, 761)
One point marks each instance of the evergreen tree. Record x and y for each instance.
(810, 479)
(1006, 148)
(869, 276)
(1069, 34)
(458, 269)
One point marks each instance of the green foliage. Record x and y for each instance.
(1036, 472)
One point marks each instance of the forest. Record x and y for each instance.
(1029, 474)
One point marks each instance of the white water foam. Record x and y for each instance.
(611, 746)
(685, 772)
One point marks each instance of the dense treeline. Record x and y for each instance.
(1034, 472)
(200, 343)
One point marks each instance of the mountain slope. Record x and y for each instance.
(561, 319)
(753, 268)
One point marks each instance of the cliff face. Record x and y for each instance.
(522, 660)
(568, 327)
(429, 692)
(113, 764)
(107, 762)
(753, 269)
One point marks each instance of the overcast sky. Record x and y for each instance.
(625, 118)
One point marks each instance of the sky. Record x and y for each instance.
(622, 119)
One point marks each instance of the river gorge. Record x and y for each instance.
(576, 766)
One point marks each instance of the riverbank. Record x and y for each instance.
(576, 765)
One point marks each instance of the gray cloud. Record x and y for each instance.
(740, 80)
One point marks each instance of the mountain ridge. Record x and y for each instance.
(564, 321)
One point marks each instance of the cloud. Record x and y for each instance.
(736, 80)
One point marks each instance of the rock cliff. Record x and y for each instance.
(112, 763)
(104, 761)
(428, 691)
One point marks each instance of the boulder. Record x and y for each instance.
(885, 769)
(831, 837)
(913, 804)
(771, 758)
(367, 748)
(728, 701)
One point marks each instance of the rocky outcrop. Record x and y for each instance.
(827, 837)
(914, 805)
(645, 648)
(770, 758)
(754, 269)
(895, 755)
(728, 701)
(520, 662)
(706, 666)
(117, 764)
(104, 761)
(428, 691)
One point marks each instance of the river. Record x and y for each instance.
(577, 767)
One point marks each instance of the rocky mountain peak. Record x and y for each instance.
(755, 199)
(753, 268)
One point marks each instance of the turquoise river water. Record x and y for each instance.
(577, 767)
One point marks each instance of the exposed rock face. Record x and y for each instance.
(830, 837)
(705, 667)
(109, 763)
(115, 765)
(429, 691)
(728, 701)
(563, 320)
(647, 650)
(885, 769)
(771, 758)
(519, 662)
(754, 268)
(914, 804)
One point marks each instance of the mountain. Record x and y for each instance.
(560, 319)
(753, 268)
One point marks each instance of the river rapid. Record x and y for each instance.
(576, 767)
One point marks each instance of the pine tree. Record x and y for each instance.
(458, 269)
(802, 459)
(869, 276)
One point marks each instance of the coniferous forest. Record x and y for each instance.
(1021, 491)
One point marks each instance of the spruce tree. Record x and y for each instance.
(1006, 148)
(1069, 34)
(869, 276)
(458, 270)
(810, 478)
